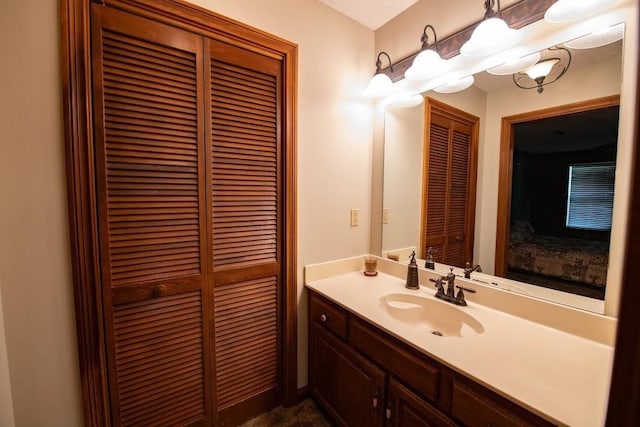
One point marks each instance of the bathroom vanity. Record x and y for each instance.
(384, 355)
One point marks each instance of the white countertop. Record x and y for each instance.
(560, 376)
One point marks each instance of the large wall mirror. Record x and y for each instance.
(591, 85)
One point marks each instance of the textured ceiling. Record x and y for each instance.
(370, 13)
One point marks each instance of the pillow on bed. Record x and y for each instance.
(521, 231)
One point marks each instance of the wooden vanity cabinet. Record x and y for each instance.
(345, 384)
(363, 376)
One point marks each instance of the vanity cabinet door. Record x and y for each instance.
(346, 385)
(405, 409)
(478, 407)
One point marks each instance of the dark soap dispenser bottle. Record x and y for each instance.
(412, 273)
(429, 263)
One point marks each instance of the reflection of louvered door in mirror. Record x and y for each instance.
(246, 216)
(450, 164)
(189, 172)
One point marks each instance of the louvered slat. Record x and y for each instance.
(244, 165)
(246, 339)
(159, 357)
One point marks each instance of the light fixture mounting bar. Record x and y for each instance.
(517, 15)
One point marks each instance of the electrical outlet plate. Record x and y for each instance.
(355, 217)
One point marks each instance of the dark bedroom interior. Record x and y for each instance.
(562, 198)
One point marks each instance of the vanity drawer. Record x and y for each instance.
(327, 314)
(412, 369)
(477, 407)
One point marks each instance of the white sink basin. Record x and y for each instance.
(439, 317)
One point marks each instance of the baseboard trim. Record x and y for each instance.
(302, 394)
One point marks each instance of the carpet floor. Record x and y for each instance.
(304, 414)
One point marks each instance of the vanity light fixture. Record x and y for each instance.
(428, 63)
(598, 38)
(380, 84)
(491, 36)
(573, 10)
(536, 76)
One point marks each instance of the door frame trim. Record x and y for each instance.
(506, 166)
(81, 187)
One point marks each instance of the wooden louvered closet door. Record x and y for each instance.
(150, 165)
(246, 212)
(449, 187)
(149, 139)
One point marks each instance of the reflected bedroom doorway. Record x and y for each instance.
(557, 224)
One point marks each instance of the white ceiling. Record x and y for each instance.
(370, 13)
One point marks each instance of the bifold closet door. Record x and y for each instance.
(448, 201)
(150, 171)
(244, 153)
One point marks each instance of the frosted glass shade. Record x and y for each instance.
(456, 85)
(541, 69)
(379, 86)
(515, 66)
(573, 10)
(491, 36)
(408, 101)
(598, 38)
(426, 65)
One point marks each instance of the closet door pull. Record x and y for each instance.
(159, 290)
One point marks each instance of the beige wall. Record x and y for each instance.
(334, 175)
(37, 296)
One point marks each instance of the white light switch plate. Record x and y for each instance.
(385, 216)
(355, 217)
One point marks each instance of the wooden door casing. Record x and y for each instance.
(174, 286)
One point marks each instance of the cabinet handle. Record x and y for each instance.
(323, 318)
(375, 401)
(387, 413)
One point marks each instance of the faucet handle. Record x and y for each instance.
(439, 287)
(460, 296)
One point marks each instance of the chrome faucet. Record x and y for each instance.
(468, 270)
(449, 295)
